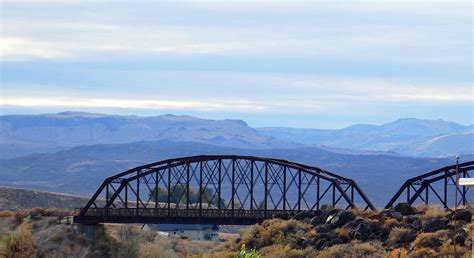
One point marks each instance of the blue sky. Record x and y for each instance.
(324, 64)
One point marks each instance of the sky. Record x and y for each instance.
(319, 64)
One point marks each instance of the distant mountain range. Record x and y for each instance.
(408, 137)
(73, 152)
(27, 134)
(80, 170)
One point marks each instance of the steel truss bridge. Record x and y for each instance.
(218, 189)
(438, 183)
(231, 189)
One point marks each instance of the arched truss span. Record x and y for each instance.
(437, 186)
(219, 189)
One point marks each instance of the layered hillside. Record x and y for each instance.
(26, 134)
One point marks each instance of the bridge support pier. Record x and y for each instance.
(89, 230)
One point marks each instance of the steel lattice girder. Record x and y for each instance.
(225, 183)
(434, 182)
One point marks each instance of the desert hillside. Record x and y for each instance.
(405, 231)
(15, 199)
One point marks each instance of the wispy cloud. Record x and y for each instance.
(267, 32)
(260, 58)
(276, 93)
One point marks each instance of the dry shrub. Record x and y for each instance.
(20, 243)
(355, 249)
(422, 252)
(35, 213)
(398, 253)
(400, 235)
(57, 237)
(281, 251)
(219, 254)
(18, 216)
(6, 214)
(430, 240)
(55, 212)
(129, 240)
(435, 211)
(447, 249)
(364, 213)
(276, 231)
(470, 234)
(156, 249)
(391, 223)
(194, 247)
(343, 231)
(421, 207)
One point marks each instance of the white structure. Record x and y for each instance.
(191, 231)
(468, 182)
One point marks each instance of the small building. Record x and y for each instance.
(191, 231)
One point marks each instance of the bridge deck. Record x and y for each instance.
(182, 216)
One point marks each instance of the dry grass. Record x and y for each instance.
(276, 231)
(157, 249)
(422, 252)
(355, 249)
(447, 249)
(19, 243)
(19, 216)
(283, 251)
(434, 211)
(6, 214)
(400, 235)
(430, 240)
(398, 253)
(391, 223)
(364, 213)
(343, 231)
(55, 212)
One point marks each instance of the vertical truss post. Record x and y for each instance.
(266, 188)
(284, 188)
(200, 188)
(187, 185)
(138, 197)
(251, 185)
(169, 190)
(219, 185)
(464, 190)
(107, 202)
(352, 193)
(445, 192)
(156, 190)
(299, 189)
(408, 193)
(318, 192)
(233, 187)
(333, 195)
(426, 195)
(126, 195)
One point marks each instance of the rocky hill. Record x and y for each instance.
(405, 231)
(16, 199)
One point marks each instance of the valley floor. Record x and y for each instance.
(401, 232)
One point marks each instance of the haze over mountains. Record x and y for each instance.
(73, 152)
(80, 170)
(408, 137)
(26, 134)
